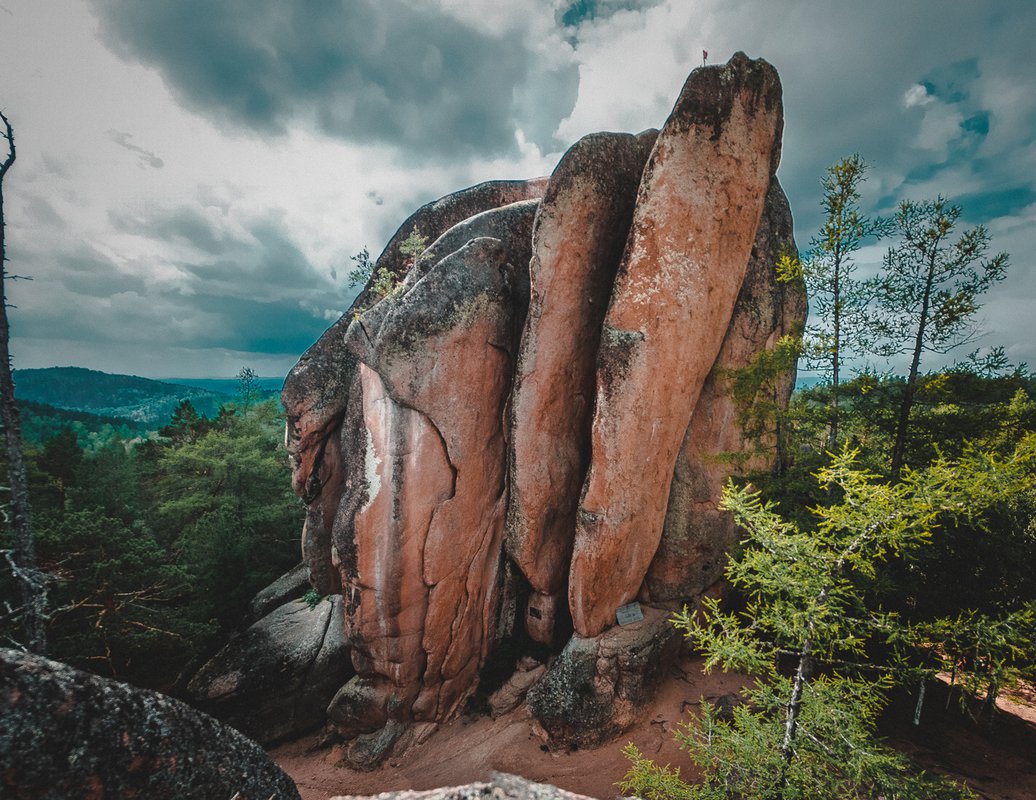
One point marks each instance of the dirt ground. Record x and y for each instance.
(998, 764)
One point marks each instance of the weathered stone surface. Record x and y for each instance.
(66, 734)
(577, 241)
(512, 694)
(500, 786)
(290, 586)
(274, 681)
(595, 688)
(697, 535)
(428, 535)
(697, 212)
(317, 390)
(646, 278)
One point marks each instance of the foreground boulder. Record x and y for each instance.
(66, 734)
(527, 437)
(500, 786)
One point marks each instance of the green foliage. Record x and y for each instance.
(155, 547)
(361, 273)
(41, 422)
(141, 400)
(928, 293)
(808, 593)
(312, 598)
(413, 245)
(838, 300)
(757, 390)
(382, 282)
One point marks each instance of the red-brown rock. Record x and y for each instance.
(577, 241)
(697, 212)
(426, 539)
(316, 391)
(697, 535)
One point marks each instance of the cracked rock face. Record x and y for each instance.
(534, 428)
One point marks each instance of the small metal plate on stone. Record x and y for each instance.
(629, 613)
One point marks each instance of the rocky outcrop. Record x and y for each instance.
(597, 685)
(316, 393)
(696, 535)
(292, 585)
(577, 241)
(698, 208)
(559, 364)
(422, 552)
(275, 680)
(66, 734)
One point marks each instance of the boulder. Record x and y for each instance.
(66, 734)
(422, 570)
(577, 241)
(596, 686)
(275, 680)
(290, 586)
(697, 212)
(317, 390)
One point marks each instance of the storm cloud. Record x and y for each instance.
(380, 71)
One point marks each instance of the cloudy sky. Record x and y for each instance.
(193, 175)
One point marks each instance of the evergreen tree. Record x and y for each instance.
(837, 298)
(928, 293)
(807, 725)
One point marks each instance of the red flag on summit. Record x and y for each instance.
(704, 56)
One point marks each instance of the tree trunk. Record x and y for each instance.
(899, 448)
(791, 723)
(23, 561)
(836, 355)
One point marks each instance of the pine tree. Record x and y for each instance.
(837, 298)
(806, 724)
(928, 293)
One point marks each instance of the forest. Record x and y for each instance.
(153, 546)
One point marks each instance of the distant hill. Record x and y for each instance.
(268, 386)
(140, 400)
(40, 422)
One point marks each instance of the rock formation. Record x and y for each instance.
(66, 734)
(533, 427)
(274, 681)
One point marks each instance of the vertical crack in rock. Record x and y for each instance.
(577, 241)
